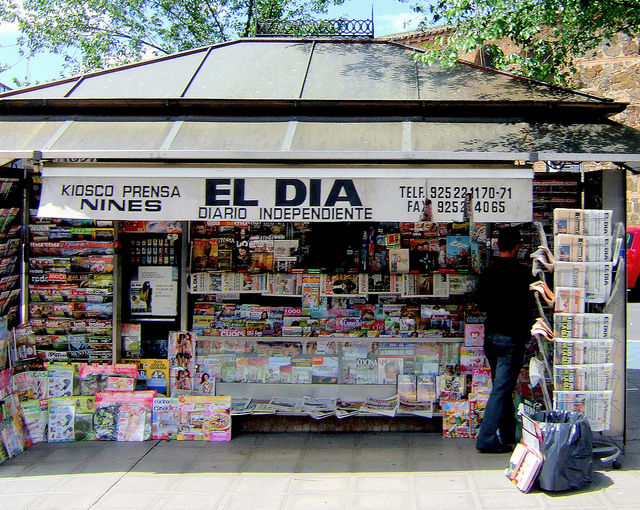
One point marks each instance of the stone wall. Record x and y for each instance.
(612, 71)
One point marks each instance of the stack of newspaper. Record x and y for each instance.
(583, 347)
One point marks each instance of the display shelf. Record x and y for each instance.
(264, 391)
(71, 266)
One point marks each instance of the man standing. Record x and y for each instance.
(503, 294)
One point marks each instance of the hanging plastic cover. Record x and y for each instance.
(567, 450)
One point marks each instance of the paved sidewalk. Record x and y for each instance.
(289, 472)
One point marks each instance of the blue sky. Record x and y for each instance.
(390, 16)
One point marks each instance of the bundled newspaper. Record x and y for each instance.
(595, 405)
(586, 222)
(582, 325)
(594, 277)
(582, 351)
(597, 377)
(571, 248)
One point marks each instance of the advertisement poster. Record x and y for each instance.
(155, 292)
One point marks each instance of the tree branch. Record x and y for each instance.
(247, 25)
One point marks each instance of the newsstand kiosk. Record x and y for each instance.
(308, 242)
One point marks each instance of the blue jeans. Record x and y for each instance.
(505, 359)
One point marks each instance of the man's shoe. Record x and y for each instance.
(497, 449)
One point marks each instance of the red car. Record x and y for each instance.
(633, 257)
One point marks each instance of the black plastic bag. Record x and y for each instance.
(567, 450)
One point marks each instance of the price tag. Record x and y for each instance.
(491, 200)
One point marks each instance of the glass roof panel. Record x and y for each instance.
(361, 71)
(113, 136)
(46, 91)
(160, 78)
(19, 135)
(468, 83)
(348, 136)
(232, 136)
(253, 70)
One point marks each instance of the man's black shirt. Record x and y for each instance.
(503, 294)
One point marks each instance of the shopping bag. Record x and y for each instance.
(567, 450)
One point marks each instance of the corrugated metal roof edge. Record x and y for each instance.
(76, 79)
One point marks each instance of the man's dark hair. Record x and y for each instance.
(508, 238)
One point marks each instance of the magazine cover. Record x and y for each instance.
(455, 418)
(131, 335)
(398, 260)
(474, 335)
(341, 284)
(96, 377)
(140, 296)
(477, 405)
(71, 418)
(204, 255)
(274, 367)
(458, 252)
(153, 374)
(113, 409)
(452, 386)
(181, 379)
(164, 418)
(389, 367)
(61, 418)
(427, 358)
(31, 385)
(424, 283)
(426, 388)
(471, 357)
(366, 371)
(324, 370)
(348, 371)
(524, 466)
(12, 436)
(36, 418)
(311, 291)
(301, 371)
(131, 422)
(407, 389)
(449, 358)
(182, 349)
(204, 418)
(285, 254)
(204, 384)
(261, 255)
(481, 381)
(61, 381)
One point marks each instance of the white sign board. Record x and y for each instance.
(326, 199)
